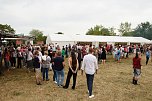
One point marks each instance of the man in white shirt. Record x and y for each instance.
(90, 66)
(40, 54)
(29, 59)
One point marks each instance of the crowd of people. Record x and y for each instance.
(52, 57)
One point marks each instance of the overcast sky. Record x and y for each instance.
(72, 16)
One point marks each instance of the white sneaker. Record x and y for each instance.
(55, 82)
(91, 96)
(13, 67)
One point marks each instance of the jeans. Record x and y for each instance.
(147, 59)
(90, 82)
(60, 77)
(45, 73)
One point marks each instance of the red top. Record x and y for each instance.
(7, 57)
(137, 63)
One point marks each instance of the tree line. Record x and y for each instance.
(141, 30)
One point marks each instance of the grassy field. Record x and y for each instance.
(112, 83)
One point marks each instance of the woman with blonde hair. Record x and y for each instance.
(45, 65)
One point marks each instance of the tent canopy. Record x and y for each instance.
(92, 38)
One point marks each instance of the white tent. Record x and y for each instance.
(62, 39)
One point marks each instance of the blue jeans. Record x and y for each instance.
(118, 57)
(45, 73)
(90, 82)
(147, 59)
(60, 77)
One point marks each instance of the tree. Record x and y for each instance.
(143, 30)
(7, 29)
(99, 30)
(38, 35)
(125, 29)
(112, 31)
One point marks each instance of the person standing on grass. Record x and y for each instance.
(118, 54)
(54, 73)
(66, 51)
(29, 59)
(103, 55)
(7, 59)
(40, 56)
(136, 68)
(73, 67)
(58, 63)
(90, 66)
(63, 52)
(19, 58)
(79, 57)
(45, 66)
(14, 55)
(37, 63)
(24, 57)
(147, 55)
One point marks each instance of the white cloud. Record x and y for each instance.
(72, 16)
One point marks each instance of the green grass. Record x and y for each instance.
(112, 83)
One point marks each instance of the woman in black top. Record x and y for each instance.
(37, 68)
(79, 58)
(58, 63)
(73, 66)
(103, 55)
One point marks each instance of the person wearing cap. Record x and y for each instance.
(90, 66)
